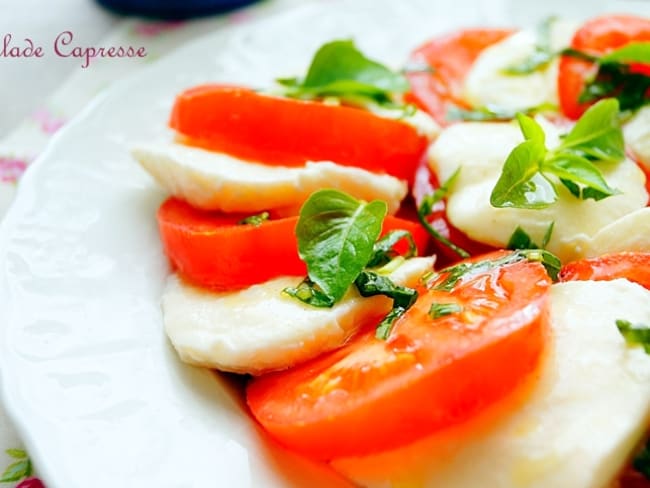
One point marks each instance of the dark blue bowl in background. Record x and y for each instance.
(172, 9)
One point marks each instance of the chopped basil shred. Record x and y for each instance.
(532, 171)
(452, 275)
(438, 310)
(384, 252)
(521, 240)
(340, 70)
(255, 220)
(337, 240)
(615, 78)
(311, 294)
(541, 56)
(491, 112)
(370, 284)
(427, 206)
(635, 334)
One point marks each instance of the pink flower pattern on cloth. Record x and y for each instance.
(153, 29)
(48, 122)
(11, 169)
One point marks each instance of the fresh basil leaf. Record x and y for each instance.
(634, 52)
(585, 178)
(310, 293)
(521, 185)
(255, 220)
(641, 461)
(597, 135)
(525, 179)
(531, 130)
(383, 251)
(340, 70)
(336, 236)
(17, 471)
(635, 334)
(438, 310)
(371, 284)
(16, 453)
(426, 207)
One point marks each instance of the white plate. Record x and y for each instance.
(88, 376)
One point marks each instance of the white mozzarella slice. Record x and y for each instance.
(629, 233)
(480, 150)
(217, 181)
(261, 329)
(487, 85)
(576, 426)
(421, 121)
(637, 136)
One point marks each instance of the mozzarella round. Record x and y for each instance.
(575, 428)
(217, 181)
(261, 329)
(637, 136)
(629, 233)
(480, 149)
(487, 85)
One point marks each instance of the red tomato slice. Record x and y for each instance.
(450, 57)
(213, 250)
(596, 37)
(372, 395)
(426, 183)
(288, 132)
(635, 266)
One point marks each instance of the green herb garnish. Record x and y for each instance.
(384, 252)
(340, 70)
(541, 56)
(18, 470)
(529, 175)
(615, 78)
(438, 310)
(493, 113)
(635, 334)
(255, 220)
(336, 237)
(370, 284)
(463, 271)
(426, 207)
(521, 240)
(337, 240)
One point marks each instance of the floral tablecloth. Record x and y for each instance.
(23, 145)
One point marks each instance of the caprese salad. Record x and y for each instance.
(437, 276)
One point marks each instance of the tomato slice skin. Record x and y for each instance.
(289, 132)
(213, 250)
(372, 395)
(596, 37)
(634, 266)
(451, 57)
